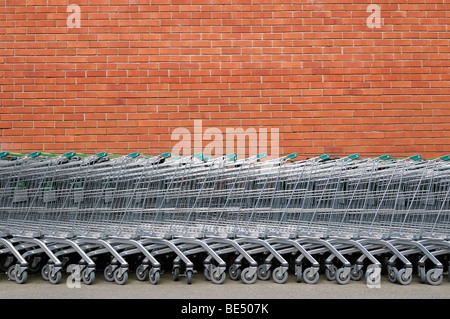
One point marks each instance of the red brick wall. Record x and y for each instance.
(136, 70)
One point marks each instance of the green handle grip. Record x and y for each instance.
(166, 155)
(231, 157)
(385, 157)
(69, 155)
(134, 155)
(262, 155)
(416, 157)
(445, 158)
(4, 154)
(324, 157)
(34, 154)
(199, 156)
(353, 156)
(291, 156)
(101, 155)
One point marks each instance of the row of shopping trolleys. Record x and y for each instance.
(347, 218)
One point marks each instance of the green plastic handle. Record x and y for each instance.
(291, 156)
(353, 156)
(199, 156)
(166, 155)
(231, 157)
(324, 156)
(134, 155)
(385, 157)
(416, 157)
(262, 155)
(3, 154)
(34, 154)
(101, 155)
(445, 158)
(69, 155)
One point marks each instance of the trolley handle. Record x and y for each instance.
(34, 154)
(166, 155)
(291, 156)
(415, 158)
(385, 157)
(351, 157)
(6, 156)
(231, 157)
(64, 158)
(133, 155)
(30, 156)
(96, 158)
(261, 156)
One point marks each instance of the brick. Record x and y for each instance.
(145, 70)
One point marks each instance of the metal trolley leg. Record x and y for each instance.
(217, 274)
(118, 270)
(51, 271)
(248, 275)
(17, 272)
(154, 272)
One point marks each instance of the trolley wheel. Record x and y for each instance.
(340, 278)
(235, 272)
(432, 280)
(154, 279)
(402, 279)
(142, 273)
(246, 278)
(88, 278)
(309, 277)
(109, 273)
(176, 273)
(12, 273)
(299, 275)
(218, 278)
(330, 272)
(45, 272)
(207, 274)
(262, 273)
(120, 279)
(279, 276)
(356, 275)
(392, 274)
(189, 275)
(22, 278)
(55, 278)
(421, 273)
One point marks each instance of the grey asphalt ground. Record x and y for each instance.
(37, 288)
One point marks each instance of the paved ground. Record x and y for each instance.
(37, 288)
